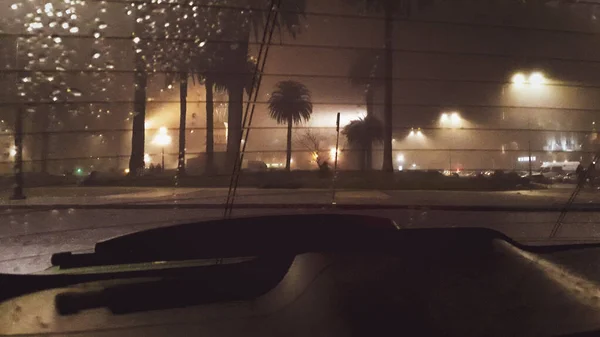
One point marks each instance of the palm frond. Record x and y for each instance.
(364, 131)
(291, 100)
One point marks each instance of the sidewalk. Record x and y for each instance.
(216, 197)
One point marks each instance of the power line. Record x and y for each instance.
(395, 128)
(325, 76)
(318, 46)
(358, 103)
(357, 16)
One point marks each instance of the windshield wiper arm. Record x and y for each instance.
(572, 197)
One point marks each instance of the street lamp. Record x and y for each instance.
(332, 152)
(450, 120)
(162, 139)
(535, 80)
(418, 133)
(400, 161)
(519, 79)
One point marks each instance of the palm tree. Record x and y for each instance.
(183, 88)
(238, 25)
(216, 76)
(390, 8)
(212, 83)
(366, 72)
(361, 134)
(290, 103)
(176, 57)
(140, 82)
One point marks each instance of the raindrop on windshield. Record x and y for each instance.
(74, 92)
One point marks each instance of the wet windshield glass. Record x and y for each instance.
(120, 116)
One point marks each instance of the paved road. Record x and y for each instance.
(32, 230)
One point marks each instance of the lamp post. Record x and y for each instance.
(523, 82)
(450, 120)
(162, 139)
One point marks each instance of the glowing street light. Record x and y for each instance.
(455, 118)
(162, 139)
(519, 79)
(416, 133)
(451, 119)
(537, 79)
(332, 152)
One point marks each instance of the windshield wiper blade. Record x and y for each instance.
(222, 238)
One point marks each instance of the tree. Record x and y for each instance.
(211, 84)
(290, 103)
(140, 82)
(367, 72)
(172, 49)
(312, 142)
(236, 27)
(361, 134)
(214, 72)
(391, 8)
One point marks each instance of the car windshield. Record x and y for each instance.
(119, 116)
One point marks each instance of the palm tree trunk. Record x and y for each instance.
(183, 86)
(234, 123)
(236, 101)
(140, 82)
(288, 158)
(210, 145)
(388, 92)
(369, 147)
(136, 161)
